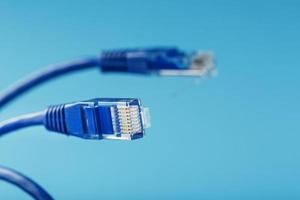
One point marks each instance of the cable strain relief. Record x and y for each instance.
(55, 119)
(114, 60)
(128, 60)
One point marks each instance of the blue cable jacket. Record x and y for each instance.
(21, 122)
(24, 183)
(14, 177)
(49, 73)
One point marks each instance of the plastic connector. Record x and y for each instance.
(104, 118)
(164, 61)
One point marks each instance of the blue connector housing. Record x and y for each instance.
(104, 118)
(161, 60)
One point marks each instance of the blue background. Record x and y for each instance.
(232, 137)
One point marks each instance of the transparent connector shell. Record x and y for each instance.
(199, 64)
(129, 119)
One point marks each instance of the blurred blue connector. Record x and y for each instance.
(165, 61)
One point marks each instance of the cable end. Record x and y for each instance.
(104, 118)
(163, 61)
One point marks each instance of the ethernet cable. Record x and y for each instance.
(24, 183)
(163, 61)
(123, 119)
(102, 118)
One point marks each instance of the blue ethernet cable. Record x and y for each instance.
(42, 76)
(163, 61)
(24, 183)
(123, 119)
(101, 118)
(21, 122)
